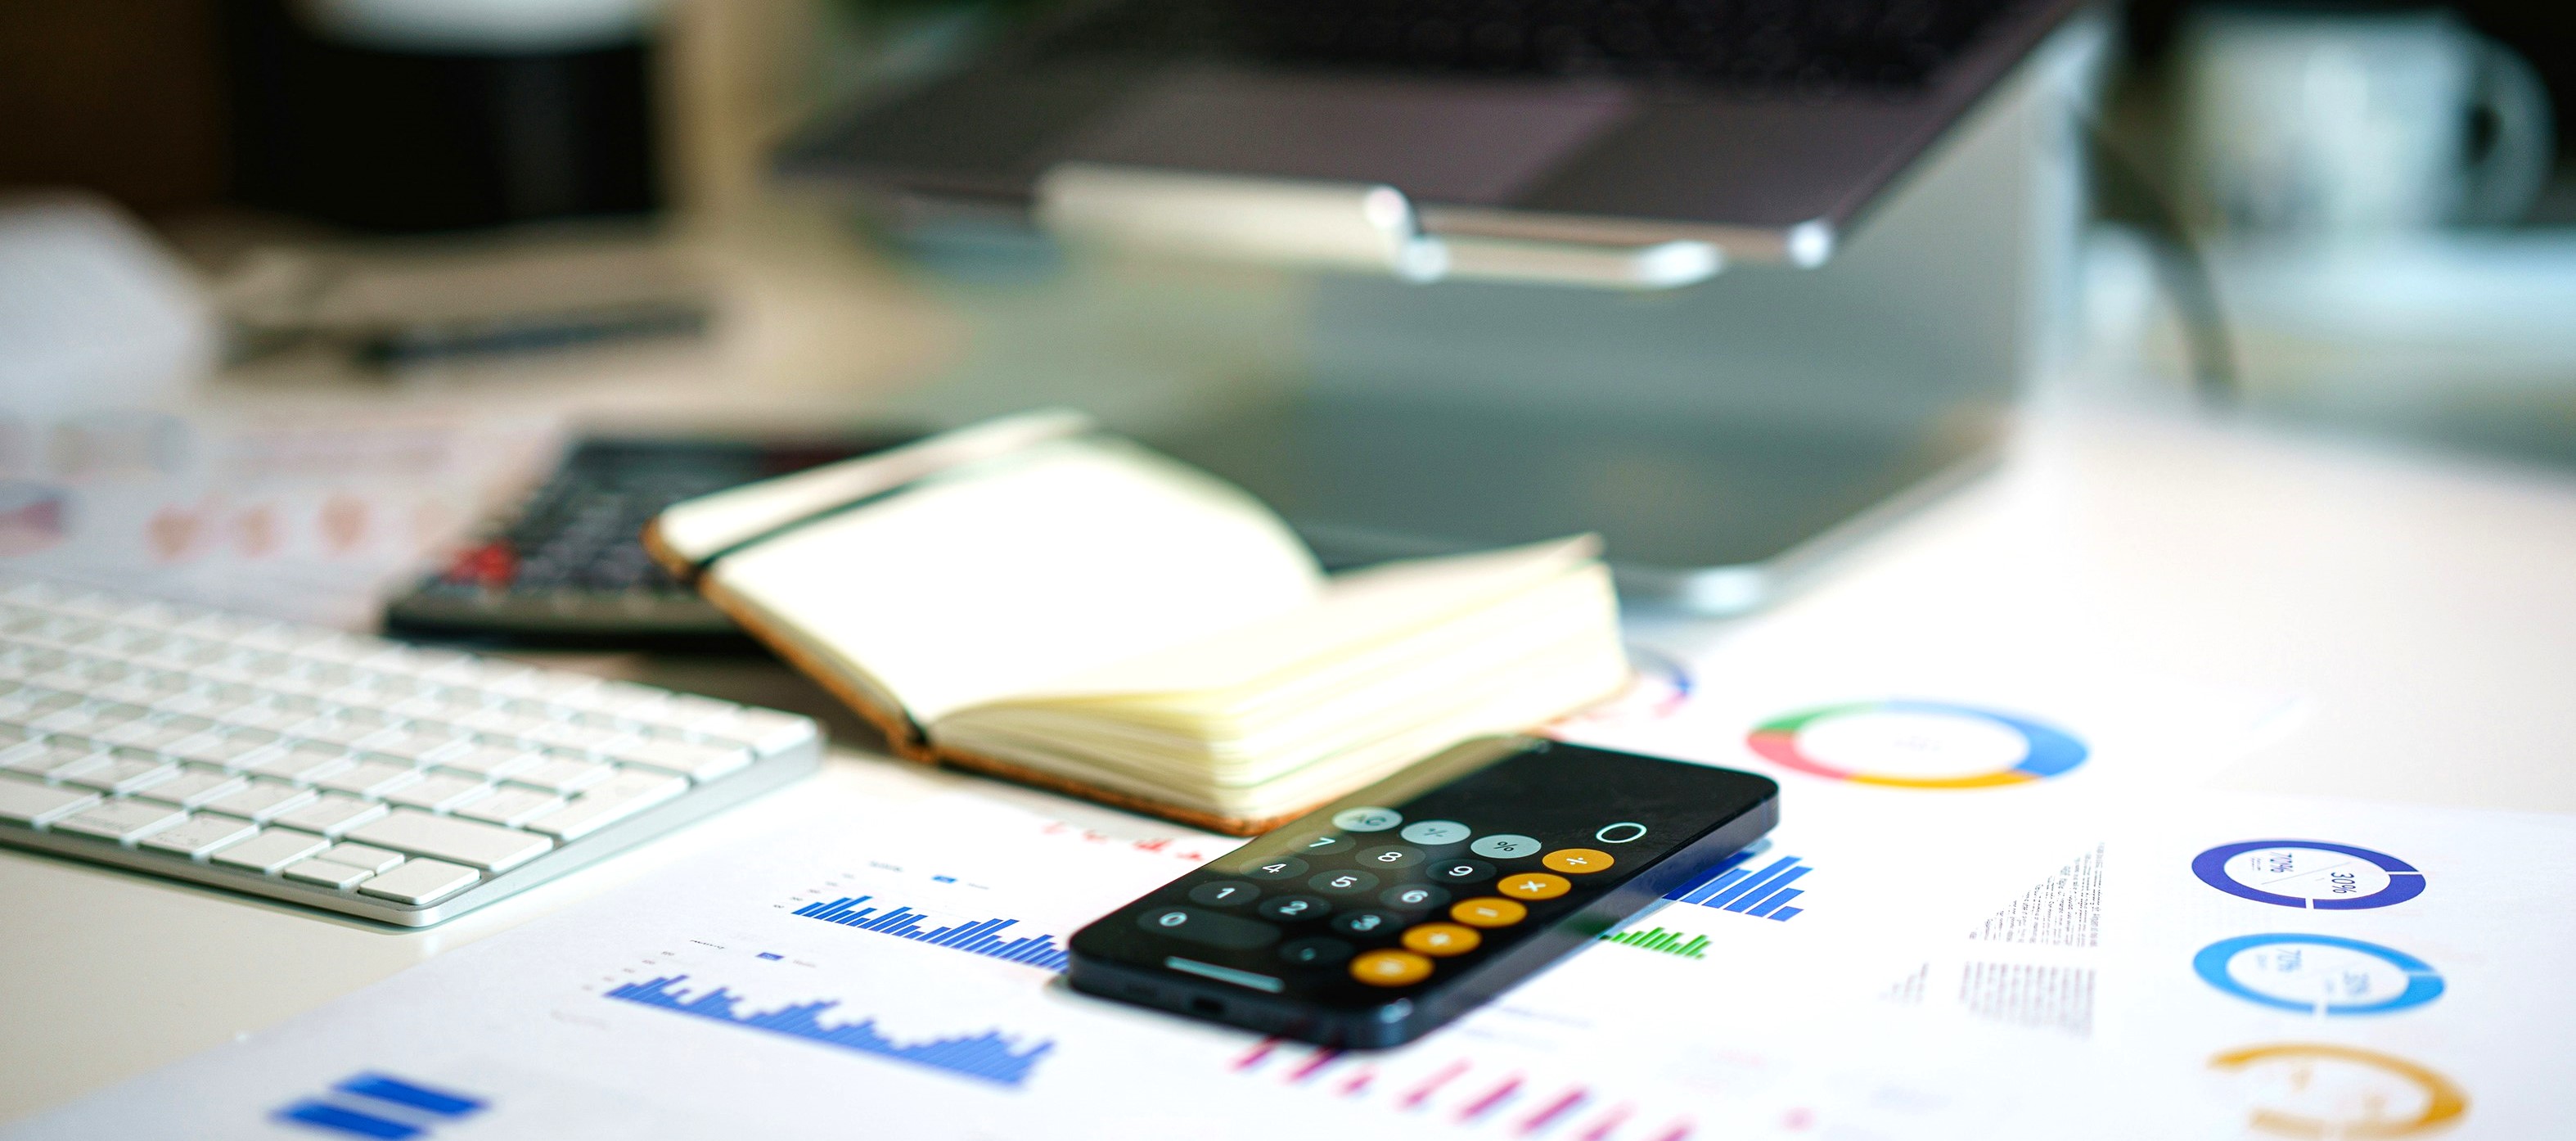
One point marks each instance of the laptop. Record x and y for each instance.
(1763, 126)
(1723, 438)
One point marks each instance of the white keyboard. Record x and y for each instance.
(339, 771)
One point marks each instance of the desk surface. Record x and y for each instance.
(2417, 603)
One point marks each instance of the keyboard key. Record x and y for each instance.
(362, 856)
(501, 723)
(325, 873)
(262, 801)
(203, 833)
(332, 814)
(469, 842)
(55, 760)
(301, 764)
(609, 802)
(36, 805)
(512, 807)
(563, 774)
(234, 750)
(194, 786)
(271, 850)
(32, 704)
(123, 774)
(697, 761)
(123, 821)
(272, 717)
(370, 779)
(158, 733)
(92, 719)
(345, 731)
(493, 761)
(440, 792)
(422, 746)
(767, 732)
(420, 882)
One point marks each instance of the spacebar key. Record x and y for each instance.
(486, 846)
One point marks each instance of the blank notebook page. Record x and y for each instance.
(1006, 575)
(1355, 613)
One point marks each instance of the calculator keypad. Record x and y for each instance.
(1379, 912)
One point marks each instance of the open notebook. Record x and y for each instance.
(1035, 598)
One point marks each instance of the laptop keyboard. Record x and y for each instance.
(1826, 45)
(345, 772)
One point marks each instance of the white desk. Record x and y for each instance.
(2422, 606)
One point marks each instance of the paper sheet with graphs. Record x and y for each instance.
(2001, 904)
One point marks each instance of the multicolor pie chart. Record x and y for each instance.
(1917, 744)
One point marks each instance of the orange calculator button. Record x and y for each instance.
(1442, 939)
(1390, 968)
(1534, 885)
(1577, 861)
(1487, 911)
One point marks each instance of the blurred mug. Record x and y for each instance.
(2334, 123)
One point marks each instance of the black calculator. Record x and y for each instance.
(1387, 913)
(568, 568)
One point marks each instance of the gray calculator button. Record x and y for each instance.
(1461, 871)
(1414, 896)
(1208, 927)
(1323, 845)
(1276, 868)
(1504, 846)
(1291, 908)
(1366, 923)
(1367, 819)
(1388, 857)
(1345, 882)
(1225, 893)
(1435, 832)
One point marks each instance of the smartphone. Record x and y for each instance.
(1380, 916)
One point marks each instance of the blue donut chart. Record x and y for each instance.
(2423, 983)
(2405, 881)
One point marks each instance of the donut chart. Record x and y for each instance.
(2320, 1090)
(2323, 975)
(1997, 749)
(2309, 874)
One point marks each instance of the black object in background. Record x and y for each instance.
(405, 141)
(570, 569)
(1375, 919)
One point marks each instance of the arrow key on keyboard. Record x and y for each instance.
(271, 850)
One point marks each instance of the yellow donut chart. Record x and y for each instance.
(2444, 1101)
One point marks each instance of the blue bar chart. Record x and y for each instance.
(380, 1106)
(1737, 886)
(975, 937)
(988, 1056)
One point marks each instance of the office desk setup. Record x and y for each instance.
(2407, 609)
(1227, 568)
